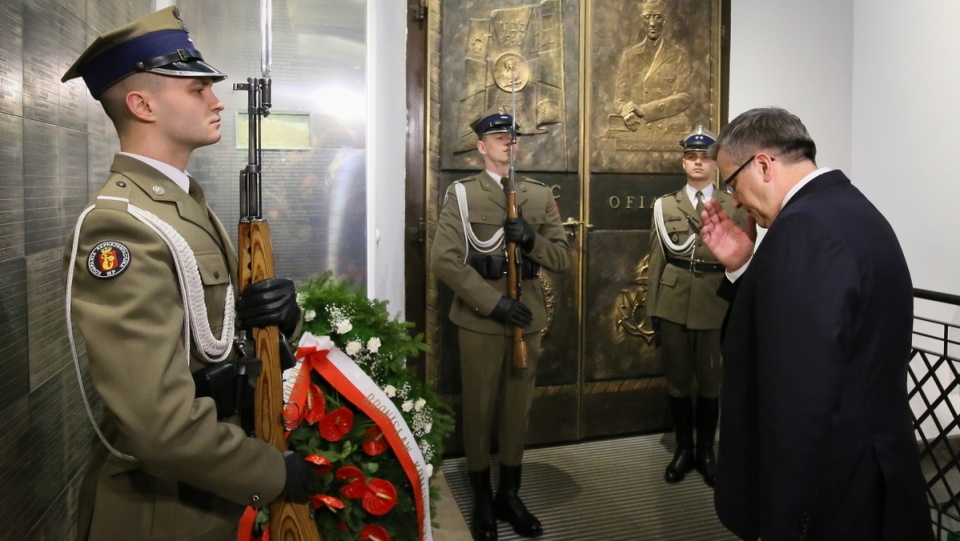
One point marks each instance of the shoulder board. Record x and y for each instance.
(114, 194)
(665, 197)
(532, 181)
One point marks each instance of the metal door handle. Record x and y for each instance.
(573, 222)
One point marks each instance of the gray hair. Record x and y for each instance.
(768, 128)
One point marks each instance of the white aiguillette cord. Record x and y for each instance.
(211, 348)
(676, 249)
(470, 239)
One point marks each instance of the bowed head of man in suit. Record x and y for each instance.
(816, 433)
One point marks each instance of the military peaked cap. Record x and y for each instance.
(493, 122)
(700, 139)
(156, 43)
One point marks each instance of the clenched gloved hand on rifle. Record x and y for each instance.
(272, 301)
(301, 481)
(512, 312)
(518, 231)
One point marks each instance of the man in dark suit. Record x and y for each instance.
(816, 437)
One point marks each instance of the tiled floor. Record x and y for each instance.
(452, 527)
(606, 490)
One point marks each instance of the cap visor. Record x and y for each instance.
(189, 68)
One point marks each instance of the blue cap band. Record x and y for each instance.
(498, 122)
(121, 60)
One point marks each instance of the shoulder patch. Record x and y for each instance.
(108, 259)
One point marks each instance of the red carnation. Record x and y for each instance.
(372, 532)
(336, 424)
(356, 482)
(380, 497)
(374, 442)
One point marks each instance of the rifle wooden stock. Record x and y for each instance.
(289, 521)
(513, 285)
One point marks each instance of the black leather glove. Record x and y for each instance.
(517, 230)
(301, 480)
(657, 331)
(512, 312)
(269, 302)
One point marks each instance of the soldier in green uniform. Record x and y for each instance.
(150, 276)
(468, 254)
(686, 312)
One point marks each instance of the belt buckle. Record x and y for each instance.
(696, 266)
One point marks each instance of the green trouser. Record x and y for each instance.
(490, 385)
(689, 354)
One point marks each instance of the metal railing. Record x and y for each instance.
(934, 378)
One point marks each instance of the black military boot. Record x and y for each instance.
(508, 506)
(683, 459)
(484, 524)
(708, 412)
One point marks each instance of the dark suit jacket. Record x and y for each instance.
(816, 436)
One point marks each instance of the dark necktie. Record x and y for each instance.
(699, 197)
(197, 193)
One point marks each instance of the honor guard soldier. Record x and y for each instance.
(468, 254)
(150, 274)
(686, 312)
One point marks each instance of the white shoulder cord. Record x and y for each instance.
(73, 344)
(677, 249)
(211, 349)
(470, 239)
(191, 294)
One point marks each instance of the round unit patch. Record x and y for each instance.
(108, 259)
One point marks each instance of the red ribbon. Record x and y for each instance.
(245, 531)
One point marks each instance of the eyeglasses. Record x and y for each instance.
(729, 185)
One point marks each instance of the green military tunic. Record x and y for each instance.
(485, 352)
(683, 294)
(192, 474)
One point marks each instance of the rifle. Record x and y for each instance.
(514, 261)
(289, 521)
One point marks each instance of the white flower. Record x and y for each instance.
(390, 391)
(373, 344)
(309, 315)
(344, 326)
(419, 404)
(427, 450)
(429, 470)
(353, 347)
(407, 406)
(428, 428)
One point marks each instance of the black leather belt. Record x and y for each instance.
(696, 265)
(494, 267)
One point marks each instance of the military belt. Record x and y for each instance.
(494, 267)
(696, 266)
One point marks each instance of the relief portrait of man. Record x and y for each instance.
(653, 80)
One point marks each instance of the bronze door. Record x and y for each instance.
(602, 113)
